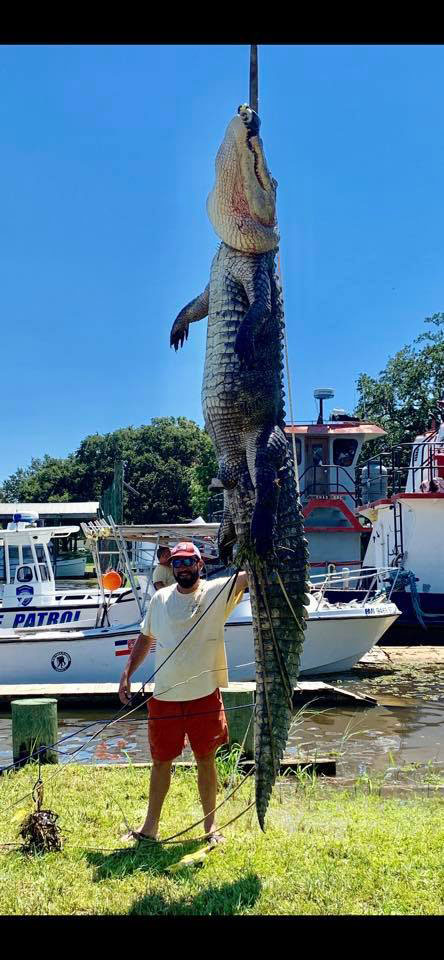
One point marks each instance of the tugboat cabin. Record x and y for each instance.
(327, 453)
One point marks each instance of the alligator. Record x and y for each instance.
(243, 405)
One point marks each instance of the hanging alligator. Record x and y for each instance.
(243, 405)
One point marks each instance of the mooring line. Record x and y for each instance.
(115, 719)
(123, 707)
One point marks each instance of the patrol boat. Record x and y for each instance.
(338, 634)
(30, 596)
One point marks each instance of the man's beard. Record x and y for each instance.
(186, 578)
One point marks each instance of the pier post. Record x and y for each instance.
(34, 725)
(241, 696)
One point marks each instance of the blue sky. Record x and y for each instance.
(106, 159)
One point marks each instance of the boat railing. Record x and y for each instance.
(404, 467)
(369, 579)
(326, 480)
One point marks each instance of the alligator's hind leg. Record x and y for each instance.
(266, 454)
(226, 537)
(235, 477)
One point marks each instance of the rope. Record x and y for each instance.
(133, 696)
(172, 839)
(288, 600)
(114, 719)
(290, 400)
(157, 842)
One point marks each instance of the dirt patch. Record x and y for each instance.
(415, 655)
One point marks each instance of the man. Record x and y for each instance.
(187, 699)
(163, 575)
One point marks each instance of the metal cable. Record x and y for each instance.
(123, 707)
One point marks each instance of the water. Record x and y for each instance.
(403, 736)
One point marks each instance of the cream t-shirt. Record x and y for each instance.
(199, 665)
(164, 573)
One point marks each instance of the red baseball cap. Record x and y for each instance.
(185, 549)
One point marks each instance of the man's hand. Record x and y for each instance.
(136, 657)
(242, 580)
(125, 688)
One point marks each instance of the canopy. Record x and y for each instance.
(168, 532)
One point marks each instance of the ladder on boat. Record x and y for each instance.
(97, 530)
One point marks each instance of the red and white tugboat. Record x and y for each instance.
(402, 496)
(327, 453)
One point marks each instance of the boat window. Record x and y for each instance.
(298, 448)
(344, 452)
(27, 554)
(43, 571)
(40, 553)
(13, 561)
(327, 517)
(25, 574)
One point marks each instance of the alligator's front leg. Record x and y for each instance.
(254, 277)
(197, 309)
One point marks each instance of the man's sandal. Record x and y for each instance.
(139, 837)
(215, 839)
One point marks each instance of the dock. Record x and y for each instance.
(322, 766)
(106, 694)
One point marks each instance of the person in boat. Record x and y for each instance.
(187, 699)
(163, 575)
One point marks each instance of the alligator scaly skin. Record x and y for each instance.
(244, 415)
(243, 405)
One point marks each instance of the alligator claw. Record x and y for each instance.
(178, 335)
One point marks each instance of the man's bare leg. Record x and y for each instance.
(159, 786)
(207, 784)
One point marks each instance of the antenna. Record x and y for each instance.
(321, 394)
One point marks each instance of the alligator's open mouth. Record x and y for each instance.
(242, 205)
(253, 145)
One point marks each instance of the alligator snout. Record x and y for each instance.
(250, 118)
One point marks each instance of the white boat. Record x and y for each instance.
(70, 566)
(31, 598)
(337, 636)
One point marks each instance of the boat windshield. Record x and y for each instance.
(25, 574)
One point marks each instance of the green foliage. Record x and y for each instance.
(201, 474)
(169, 462)
(405, 395)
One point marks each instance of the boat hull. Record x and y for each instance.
(332, 644)
(406, 629)
(73, 610)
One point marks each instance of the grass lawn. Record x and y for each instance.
(326, 851)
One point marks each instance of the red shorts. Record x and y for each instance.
(202, 720)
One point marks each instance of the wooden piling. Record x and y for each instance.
(239, 701)
(34, 725)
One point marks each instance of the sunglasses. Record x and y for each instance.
(183, 561)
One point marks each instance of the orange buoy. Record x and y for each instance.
(112, 580)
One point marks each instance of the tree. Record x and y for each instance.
(201, 474)
(405, 396)
(168, 465)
